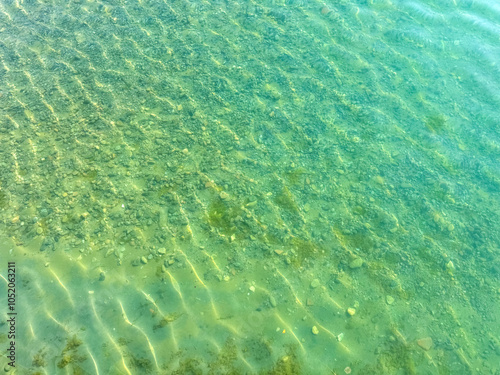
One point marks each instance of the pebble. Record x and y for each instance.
(144, 260)
(425, 343)
(272, 301)
(224, 195)
(389, 300)
(351, 311)
(356, 263)
(162, 251)
(450, 266)
(315, 283)
(315, 330)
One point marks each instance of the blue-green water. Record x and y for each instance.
(274, 187)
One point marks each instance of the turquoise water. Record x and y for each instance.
(274, 187)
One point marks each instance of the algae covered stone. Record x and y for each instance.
(356, 263)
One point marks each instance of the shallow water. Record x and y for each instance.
(274, 187)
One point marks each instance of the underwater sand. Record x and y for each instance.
(274, 187)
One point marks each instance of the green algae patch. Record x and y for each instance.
(39, 360)
(222, 215)
(436, 123)
(89, 175)
(304, 249)
(295, 176)
(166, 320)
(361, 240)
(285, 200)
(71, 356)
(395, 357)
(288, 364)
(4, 200)
(141, 365)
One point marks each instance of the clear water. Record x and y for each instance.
(273, 187)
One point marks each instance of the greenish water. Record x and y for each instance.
(273, 187)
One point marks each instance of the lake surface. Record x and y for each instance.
(251, 187)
